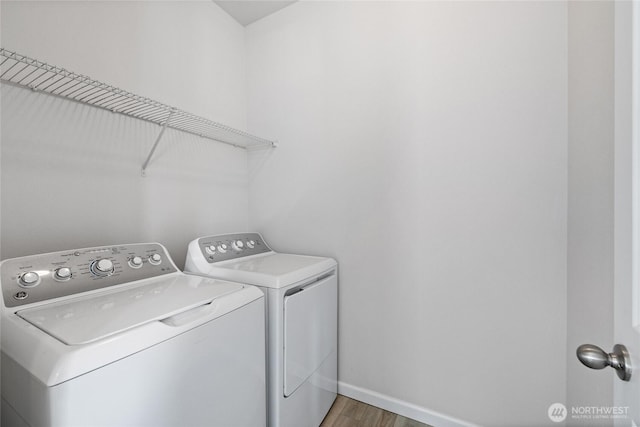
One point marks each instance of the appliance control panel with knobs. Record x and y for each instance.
(43, 277)
(232, 246)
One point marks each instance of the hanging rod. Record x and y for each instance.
(20, 70)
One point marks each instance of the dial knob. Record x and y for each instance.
(210, 249)
(222, 248)
(155, 259)
(238, 245)
(29, 279)
(135, 262)
(62, 273)
(251, 244)
(102, 267)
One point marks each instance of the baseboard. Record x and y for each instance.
(400, 407)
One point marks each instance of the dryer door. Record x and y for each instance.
(310, 330)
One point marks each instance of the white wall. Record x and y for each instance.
(71, 174)
(424, 145)
(590, 208)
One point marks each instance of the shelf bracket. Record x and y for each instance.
(155, 144)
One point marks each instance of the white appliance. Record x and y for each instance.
(301, 296)
(117, 336)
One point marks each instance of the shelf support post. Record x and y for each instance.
(155, 145)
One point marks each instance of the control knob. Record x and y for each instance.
(155, 259)
(102, 267)
(222, 248)
(211, 249)
(238, 245)
(251, 244)
(29, 279)
(135, 262)
(62, 274)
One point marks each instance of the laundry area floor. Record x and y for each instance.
(347, 412)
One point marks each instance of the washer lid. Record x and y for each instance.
(86, 319)
(272, 269)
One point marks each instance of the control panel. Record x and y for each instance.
(42, 277)
(231, 246)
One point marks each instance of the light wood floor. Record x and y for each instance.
(347, 412)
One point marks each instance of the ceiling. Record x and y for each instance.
(246, 11)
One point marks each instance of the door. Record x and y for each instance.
(310, 330)
(627, 212)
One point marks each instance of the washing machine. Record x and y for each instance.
(118, 336)
(301, 298)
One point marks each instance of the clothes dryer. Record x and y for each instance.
(301, 297)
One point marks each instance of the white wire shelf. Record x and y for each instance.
(39, 76)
